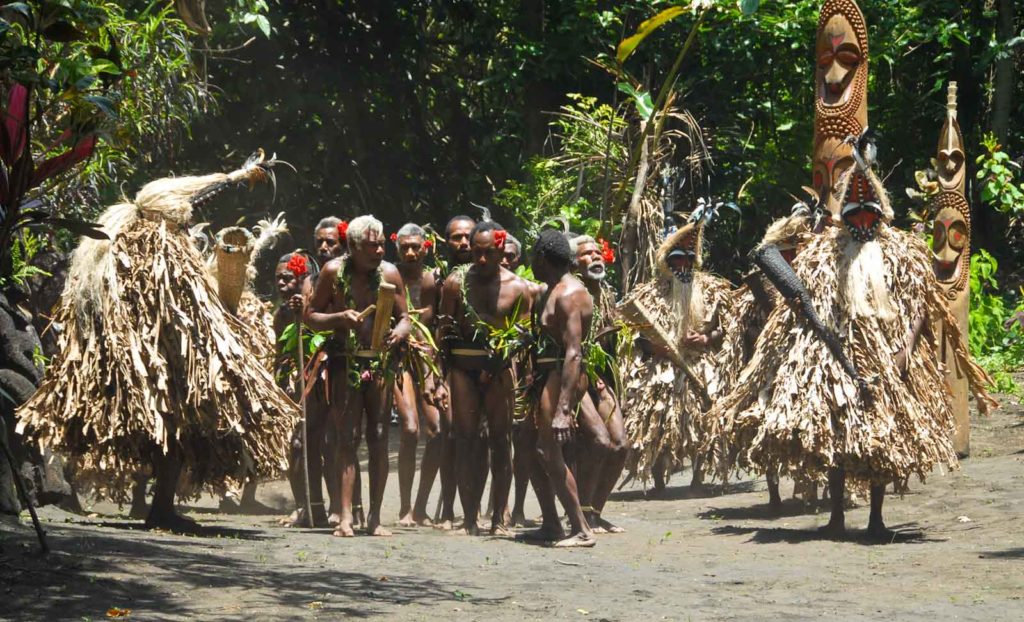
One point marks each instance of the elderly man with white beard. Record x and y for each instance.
(844, 381)
(603, 446)
(671, 377)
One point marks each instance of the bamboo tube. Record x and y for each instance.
(382, 319)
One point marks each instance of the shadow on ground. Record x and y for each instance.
(678, 493)
(76, 577)
(906, 533)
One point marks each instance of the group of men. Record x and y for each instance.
(482, 357)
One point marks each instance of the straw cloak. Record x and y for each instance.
(662, 407)
(794, 406)
(151, 360)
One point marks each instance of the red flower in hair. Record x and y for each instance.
(428, 244)
(298, 266)
(394, 237)
(343, 231)
(500, 235)
(607, 253)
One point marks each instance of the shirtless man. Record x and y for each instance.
(419, 391)
(513, 254)
(345, 288)
(475, 298)
(560, 383)
(456, 238)
(602, 431)
(320, 429)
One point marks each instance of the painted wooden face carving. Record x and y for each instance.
(950, 157)
(838, 55)
(840, 96)
(951, 234)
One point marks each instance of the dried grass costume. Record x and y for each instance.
(662, 407)
(796, 407)
(151, 359)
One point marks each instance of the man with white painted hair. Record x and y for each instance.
(345, 292)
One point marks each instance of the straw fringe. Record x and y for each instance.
(793, 405)
(662, 409)
(160, 362)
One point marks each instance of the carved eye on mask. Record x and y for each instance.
(957, 236)
(938, 236)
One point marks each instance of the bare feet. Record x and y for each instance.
(377, 530)
(358, 516)
(175, 523)
(289, 521)
(605, 526)
(518, 519)
(467, 529)
(544, 534)
(298, 519)
(344, 530)
(878, 532)
(334, 519)
(445, 525)
(579, 540)
(835, 529)
(502, 531)
(407, 520)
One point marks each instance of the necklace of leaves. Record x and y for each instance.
(369, 368)
(502, 341)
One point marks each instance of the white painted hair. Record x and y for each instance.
(411, 229)
(575, 242)
(361, 226)
(511, 239)
(330, 222)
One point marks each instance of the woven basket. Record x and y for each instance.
(234, 246)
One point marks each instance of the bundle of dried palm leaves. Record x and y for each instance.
(150, 357)
(663, 407)
(795, 406)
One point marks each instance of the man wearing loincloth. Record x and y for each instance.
(345, 290)
(602, 444)
(482, 325)
(420, 390)
(563, 320)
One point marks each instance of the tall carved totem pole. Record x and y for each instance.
(951, 256)
(840, 94)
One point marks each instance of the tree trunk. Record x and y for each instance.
(1005, 75)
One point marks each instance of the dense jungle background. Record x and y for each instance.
(420, 110)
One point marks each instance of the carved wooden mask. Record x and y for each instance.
(840, 94)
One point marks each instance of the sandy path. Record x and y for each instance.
(717, 556)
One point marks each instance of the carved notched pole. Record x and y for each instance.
(951, 257)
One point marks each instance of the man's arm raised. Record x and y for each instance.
(317, 316)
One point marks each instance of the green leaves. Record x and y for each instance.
(749, 7)
(629, 44)
(642, 100)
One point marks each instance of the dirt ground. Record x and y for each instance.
(720, 555)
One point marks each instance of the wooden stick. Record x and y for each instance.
(302, 405)
(382, 319)
(20, 485)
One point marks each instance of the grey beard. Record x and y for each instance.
(687, 306)
(862, 274)
(596, 275)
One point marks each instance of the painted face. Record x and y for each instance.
(832, 158)
(369, 252)
(287, 283)
(328, 244)
(951, 235)
(486, 257)
(862, 212)
(411, 249)
(840, 94)
(458, 241)
(839, 56)
(510, 257)
(589, 262)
